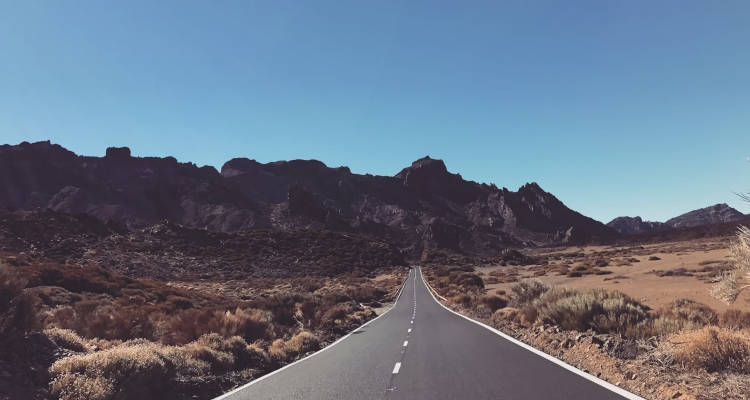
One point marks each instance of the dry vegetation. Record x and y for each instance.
(738, 278)
(111, 336)
(93, 310)
(694, 351)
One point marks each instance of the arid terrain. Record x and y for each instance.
(654, 274)
(90, 310)
(639, 316)
(128, 277)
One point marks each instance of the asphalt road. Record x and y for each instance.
(420, 350)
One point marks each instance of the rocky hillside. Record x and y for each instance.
(636, 225)
(169, 252)
(423, 206)
(716, 214)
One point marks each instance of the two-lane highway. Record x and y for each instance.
(421, 350)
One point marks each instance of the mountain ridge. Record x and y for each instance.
(424, 206)
(711, 215)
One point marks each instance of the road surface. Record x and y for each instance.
(420, 350)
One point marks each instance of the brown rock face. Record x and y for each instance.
(423, 206)
(713, 215)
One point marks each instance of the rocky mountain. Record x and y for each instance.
(423, 206)
(636, 225)
(716, 214)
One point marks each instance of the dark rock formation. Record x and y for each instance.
(716, 214)
(636, 225)
(423, 206)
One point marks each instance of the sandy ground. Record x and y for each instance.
(702, 258)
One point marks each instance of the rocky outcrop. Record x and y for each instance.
(636, 225)
(716, 214)
(423, 206)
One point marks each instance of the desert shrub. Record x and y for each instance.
(601, 310)
(365, 294)
(463, 299)
(730, 285)
(526, 292)
(243, 354)
(209, 350)
(494, 302)
(528, 315)
(466, 281)
(735, 319)
(250, 324)
(337, 313)
(300, 343)
(690, 314)
(139, 370)
(308, 312)
(67, 339)
(191, 324)
(102, 319)
(681, 315)
(714, 350)
(282, 308)
(505, 314)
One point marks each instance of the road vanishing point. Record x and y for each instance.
(419, 349)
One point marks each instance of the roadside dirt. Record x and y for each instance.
(662, 273)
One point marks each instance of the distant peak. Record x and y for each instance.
(533, 186)
(427, 161)
(427, 165)
(238, 166)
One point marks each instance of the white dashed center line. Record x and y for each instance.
(397, 368)
(409, 330)
(406, 343)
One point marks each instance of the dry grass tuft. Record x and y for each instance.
(226, 354)
(526, 292)
(601, 310)
(735, 319)
(146, 370)
(67, 339)
(189, 325)
(142, 370)
(731, 284)
(299, 344)
(494, 303)
(713, 349)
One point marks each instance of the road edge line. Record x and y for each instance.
(613, 388)
(274, 372)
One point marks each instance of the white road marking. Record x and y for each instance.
(272, 373)
(622, 392)
(397, 368)
(409, 330)
(412, 321)
(406, 343)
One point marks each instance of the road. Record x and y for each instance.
(421, 350)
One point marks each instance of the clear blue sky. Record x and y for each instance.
(617, 107)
